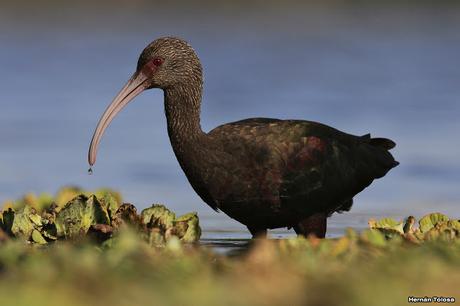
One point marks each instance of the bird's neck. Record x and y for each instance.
(192, 147)
(182, 108)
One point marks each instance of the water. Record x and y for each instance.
(228, 238)
(389, 69)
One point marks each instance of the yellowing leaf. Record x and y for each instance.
(387, 223)
(429, 221)
(22, 224)
(37, 237)
(188, 227)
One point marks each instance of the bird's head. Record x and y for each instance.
(165, 63)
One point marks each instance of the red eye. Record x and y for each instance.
(157, 61)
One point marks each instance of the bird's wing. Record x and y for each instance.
(311, 166)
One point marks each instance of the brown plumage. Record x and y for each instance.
(265, 173)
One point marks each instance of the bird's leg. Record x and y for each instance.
(258, 233)
(312, 225)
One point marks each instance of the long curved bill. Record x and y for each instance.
(135, 85)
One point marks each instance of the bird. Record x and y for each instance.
(265, 173)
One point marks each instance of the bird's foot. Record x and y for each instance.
(312, 225)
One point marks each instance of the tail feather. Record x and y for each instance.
(383, 159)
(383, 143)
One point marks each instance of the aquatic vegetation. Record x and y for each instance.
(297, 271)
(94, 248)
(431, 226)
(100, 215)
(63, 196)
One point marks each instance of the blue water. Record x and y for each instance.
(390, 70)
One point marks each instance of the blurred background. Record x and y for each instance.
(391, 68)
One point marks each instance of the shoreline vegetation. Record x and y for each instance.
(81, 248)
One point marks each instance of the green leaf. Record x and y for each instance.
(429, 221)
(23, 224)
(442, 231)
(126, 214)
(109, 202)
(109, 193)
(387, 223)
(455, 224)
(158, 216)
(187, 227)
(78, 215)
(36, 220)
(37, 237)
(373, 237)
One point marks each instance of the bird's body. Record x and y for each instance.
(265, 173)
